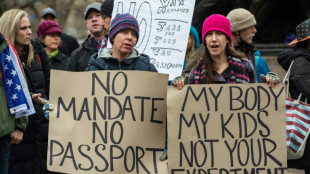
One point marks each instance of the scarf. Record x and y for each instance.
(53, 54)
(237, 73)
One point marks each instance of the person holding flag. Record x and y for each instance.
(14, 100)
(29, 156)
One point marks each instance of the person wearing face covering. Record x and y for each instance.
(243, 31)
(123, 35)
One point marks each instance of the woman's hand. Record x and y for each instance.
(272, 79)
(178, 82)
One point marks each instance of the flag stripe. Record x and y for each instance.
(297, 123)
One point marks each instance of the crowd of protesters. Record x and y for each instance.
(225, 53)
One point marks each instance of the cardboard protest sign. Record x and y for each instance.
(164, 30)
(227, 129)
(107, 121)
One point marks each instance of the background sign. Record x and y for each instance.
(107, 122)
(227, 129)
(164, 30)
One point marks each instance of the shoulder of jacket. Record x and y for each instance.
(144, 58)
(76, 51)
(62, 55)
(36, 44)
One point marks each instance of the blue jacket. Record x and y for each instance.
(261, 66)
(135, 61)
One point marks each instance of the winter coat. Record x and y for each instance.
(8, 123)
(79, 58)
(261, 66)
(30, 155)
(299, 82)
(68, 44)
(135, 61)
(60, 61)
(242, 67)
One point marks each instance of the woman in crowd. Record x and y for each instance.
(220, 63)
(299, 79)
(30, 155)
(123, 35)
(49, 33)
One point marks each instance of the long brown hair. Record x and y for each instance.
(209, 63)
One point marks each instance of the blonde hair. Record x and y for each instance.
(9, 26)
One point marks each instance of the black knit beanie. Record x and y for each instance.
(107, 7)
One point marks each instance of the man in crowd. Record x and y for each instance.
(67, 42)
(79, 58)
(106, 13)
(243, 31)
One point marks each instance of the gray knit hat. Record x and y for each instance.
(240, 19)
(94, 6)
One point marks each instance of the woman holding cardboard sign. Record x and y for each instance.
(220, 63)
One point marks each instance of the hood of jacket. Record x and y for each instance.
(90, 44)
(285, 58)
(106, 54)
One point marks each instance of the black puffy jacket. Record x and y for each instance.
(300, 72)
(60, 61)
(68, 44)
(30, 155)
(299, 82)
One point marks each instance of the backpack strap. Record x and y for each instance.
(39, 59)
(286, 82)
(287, 75)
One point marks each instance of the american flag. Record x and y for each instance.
(17, 93)
(297, 123)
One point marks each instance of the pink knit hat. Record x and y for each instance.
(216, 22)
(48, 27)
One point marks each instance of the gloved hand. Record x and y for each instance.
(47, 108)
(271, 75)
(164, 156)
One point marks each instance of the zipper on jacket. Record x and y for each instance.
(119, 66)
